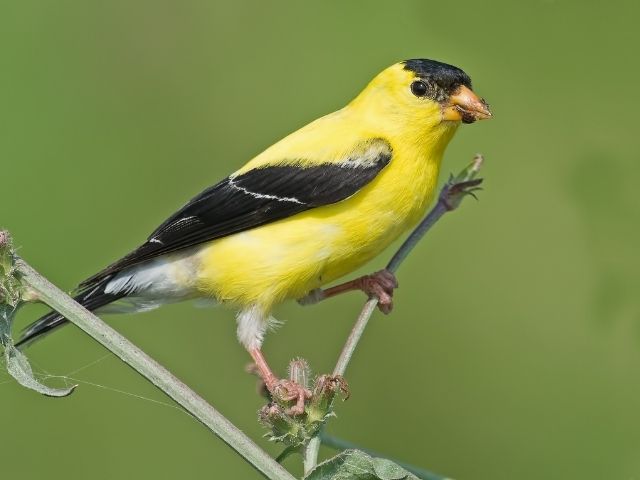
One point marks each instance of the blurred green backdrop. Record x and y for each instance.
(514, 349)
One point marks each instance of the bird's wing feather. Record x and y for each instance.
(258, 197)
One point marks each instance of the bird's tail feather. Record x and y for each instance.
(90, 297)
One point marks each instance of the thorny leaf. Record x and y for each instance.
(10, 285)
(10, 299)
(357, 465)
(388, 470)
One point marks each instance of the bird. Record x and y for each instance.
(312, 208)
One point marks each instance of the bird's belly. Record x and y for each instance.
(288, 258)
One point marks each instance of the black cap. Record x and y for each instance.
(446, 76)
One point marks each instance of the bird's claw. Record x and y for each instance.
(380, 285)
(288, 391)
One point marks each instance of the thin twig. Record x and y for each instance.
(154, 372)
(449, 199)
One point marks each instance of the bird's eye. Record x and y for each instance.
(418, 88)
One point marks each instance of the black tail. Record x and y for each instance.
(90, 297)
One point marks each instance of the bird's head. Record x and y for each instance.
(422, 95)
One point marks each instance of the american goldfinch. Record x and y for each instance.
(313, 207)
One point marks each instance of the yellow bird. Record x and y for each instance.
(315, 206)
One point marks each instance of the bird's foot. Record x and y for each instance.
(283, 390)
(295, 424)
(290, 391)
(379, 285)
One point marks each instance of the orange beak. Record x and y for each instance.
(465, 106)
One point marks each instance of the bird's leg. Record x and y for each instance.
(378, 285)
(283, 389)
(253, 322)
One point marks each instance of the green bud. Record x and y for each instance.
(10, 285)
(299, 372)
(297, 430)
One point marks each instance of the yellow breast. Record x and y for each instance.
(288, 258)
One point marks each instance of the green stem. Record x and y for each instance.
(154, 372)
(311, 454)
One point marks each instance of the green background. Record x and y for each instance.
(513, 351)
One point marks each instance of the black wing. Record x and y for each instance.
(258, 197)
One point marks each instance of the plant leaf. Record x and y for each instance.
(19, 368)
(17, 364)
(357, 465)
(388, 470)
